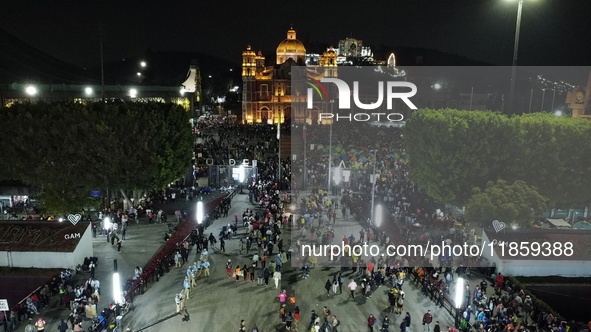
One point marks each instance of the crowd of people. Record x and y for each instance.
(412, 218)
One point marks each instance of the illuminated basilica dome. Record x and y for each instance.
(291, 48)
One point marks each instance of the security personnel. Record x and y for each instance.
(191, 276)
(205, 267)
(187, 287)
(197, 269)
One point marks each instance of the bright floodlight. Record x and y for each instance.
(436, 86)
(107, 223)
(459, 293)
(241, 173)
(88, 91)
(183, 90)
(132, 93)
(117, 296)
(199, 212)
(336, 176)
(558, 113)
(143, 64)
(31, 90)
(61, 219)
(139, 74)
(379, 215)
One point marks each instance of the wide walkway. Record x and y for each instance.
(220, 303)
(141, 242)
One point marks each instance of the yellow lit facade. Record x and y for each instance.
(267, 94)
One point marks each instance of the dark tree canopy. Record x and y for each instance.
(452, 152)
(515, 203)
(68, 149)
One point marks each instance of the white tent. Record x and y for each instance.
(558, 223)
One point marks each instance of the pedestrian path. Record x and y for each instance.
(219, 303)
(142, 240)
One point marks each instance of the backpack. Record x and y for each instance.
(463, 324)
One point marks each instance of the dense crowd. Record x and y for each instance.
(412, 217)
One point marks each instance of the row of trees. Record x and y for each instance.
(453, 152)
(68, 149)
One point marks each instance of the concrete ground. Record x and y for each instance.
(141, 242)
(220, 303)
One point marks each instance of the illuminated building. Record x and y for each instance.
(266, 90)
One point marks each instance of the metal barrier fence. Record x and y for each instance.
(166, 252)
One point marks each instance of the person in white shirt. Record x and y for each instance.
(276, 278)
(96, 285)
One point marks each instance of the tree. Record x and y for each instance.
(451, 151)
(515, 203)
(556, 157)
(69, 149)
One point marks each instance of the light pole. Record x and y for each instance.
(531, 95)
(199, 213)
(330, 146)
(279, 151)
(373, 185)
(336, 176)
(379, 215)
(471, 97)
(117, 294)
(543, 97)
(459, 298)
(305, 185)
(553, 96)
(242, 174)
(515, 50)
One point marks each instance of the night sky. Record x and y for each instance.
(553, 32)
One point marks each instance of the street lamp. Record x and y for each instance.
(458, 298)
(133, 93)
(117, 294)
(199, 212)
(373, 181)
(337, 175)
(143, 64)
(31, 90)
(88, 91)
(544, 95)
(242, 175)
(379, 215)
(330, 146)
(515, 50)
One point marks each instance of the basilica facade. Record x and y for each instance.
(267, 92)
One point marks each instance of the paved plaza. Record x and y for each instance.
(220, 303)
